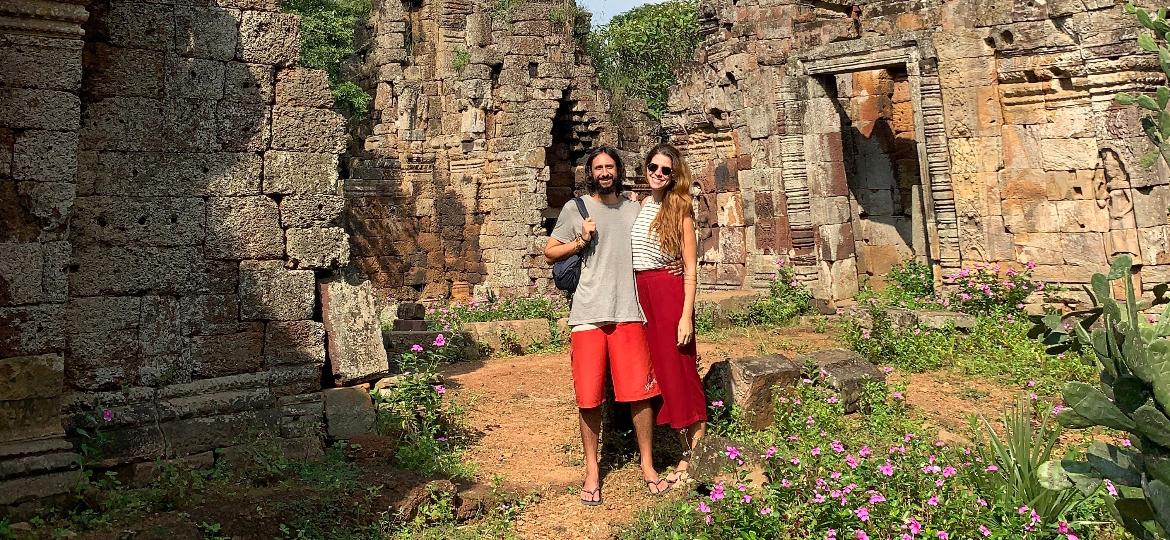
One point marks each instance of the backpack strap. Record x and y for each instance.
(581, 207)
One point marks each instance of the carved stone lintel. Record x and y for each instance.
(43, 17)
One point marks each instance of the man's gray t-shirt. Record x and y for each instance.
(606, 291)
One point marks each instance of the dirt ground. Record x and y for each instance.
(525, 409)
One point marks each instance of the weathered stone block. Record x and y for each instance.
(248, 83)
(188, 125)
(304, 211)
(228, 354)
(751, 383)
(243, 228)
(846, 372)
(45, 156)
(269, 38)
(36, 62)
(355, 344)
(39, 109)
(161, 342)
(174, 221)
(206, 32)
(194, 78)
(32, 330)
(303, 87)
(294, 173)
(212, 314)
(295, 342)
(185, 437)
(317, 248)
(1069, 154)
(31, 377)
(268, 291)
(401, 325)
(168, 174)
(348, 412)
(1082, 216)
(218, 403)
(938, 320)
(411, 311)
(39, 486)
(21, 273)
(308, 130)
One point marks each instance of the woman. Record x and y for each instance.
(664, 232)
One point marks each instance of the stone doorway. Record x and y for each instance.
(826, 214)
(880, 160)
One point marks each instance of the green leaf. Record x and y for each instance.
(1070, 419)
(1099, 285)
(1120, 267)
(1163, 96)
(1130, 393)
(1147, 102)
(1153, 424)
(1147, 42)
(1089, 402)
(1158, 495)
(1114, 463)
(1124, 98)
(1067, 474)
(1144, 18)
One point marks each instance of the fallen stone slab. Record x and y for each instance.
(511, 336)
(750, 383)
(411, 311)
(410, 325)
(717, 458)
(354, 335)
(844, 371)
(348, 412)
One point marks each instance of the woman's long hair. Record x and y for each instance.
(676, 204)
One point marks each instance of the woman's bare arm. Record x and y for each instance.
(690, 262)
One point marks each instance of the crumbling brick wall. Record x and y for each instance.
(1022, 154)
(170, 186)
(480, 116)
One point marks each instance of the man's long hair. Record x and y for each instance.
(676, 204)
(619, 177)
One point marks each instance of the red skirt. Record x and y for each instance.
(683, 400)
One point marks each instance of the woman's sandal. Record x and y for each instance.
(596, 492)
(658, 485)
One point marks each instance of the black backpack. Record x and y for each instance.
(567, 272)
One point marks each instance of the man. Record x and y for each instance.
(606, 320)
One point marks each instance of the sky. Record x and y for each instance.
(604, 10)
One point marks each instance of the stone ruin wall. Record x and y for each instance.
(981, 131)
(479, 118)
(169, 187)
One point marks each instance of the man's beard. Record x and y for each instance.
(595, 187)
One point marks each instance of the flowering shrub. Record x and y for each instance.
(787, 298)
(909, 284)
(836, 477)
(984, 289)
(427, 424)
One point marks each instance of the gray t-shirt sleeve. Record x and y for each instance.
(568, 223)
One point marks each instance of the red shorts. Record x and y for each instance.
(623, 349)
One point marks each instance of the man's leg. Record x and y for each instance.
(643, 416)
(590, 431)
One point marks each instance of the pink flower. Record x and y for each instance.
(765, 510)
(897, 395)
(1110, 488)
(732, 453)
(770, 452)
(1031, 383)
(861, 535)
(981, 502)
(887, 369)
(703, 507)
(794, 461)
(107, 415)
(933, 500)
(440, 389)
(816, 451)
(831, 400)
(865, 451)
(1125, 442)
(785, 483)
(887, 469)
(915, 526)
(948, 472)
(942, 535)
(984, 530)
(991, 468)
(416, 348)
(875, 498)
(747, 498)
(440, 340)
(862, 513)
(717, 403)
(708, 519)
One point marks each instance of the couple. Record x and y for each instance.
(628, 250)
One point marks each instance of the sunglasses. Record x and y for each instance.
(653, 167)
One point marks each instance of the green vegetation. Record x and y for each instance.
(461, 59)
(786, 299)
(1157, 124)
(449, 318)
(327, 40)
(875, 475)
(636, 54)
(1133, 396)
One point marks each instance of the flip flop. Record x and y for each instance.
(657, 483)
(591, 493)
